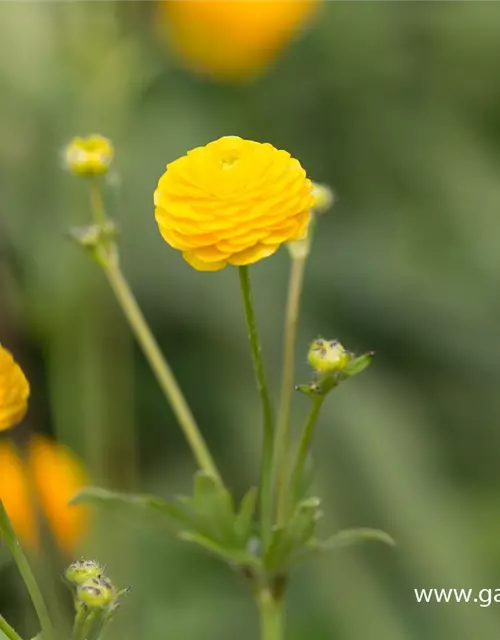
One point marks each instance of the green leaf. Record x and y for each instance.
(206, 489)
(276, 551)
(243, 524)
(207, 519)
(287, 541)
(350, 537)
(213, 510)
(233, 556)
(96, 495)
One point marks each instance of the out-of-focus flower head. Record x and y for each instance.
(233, 201)
(14, 391)
(324, 198)
(89, 156)
(233, 39)
(43, 481)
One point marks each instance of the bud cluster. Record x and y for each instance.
(95, 596)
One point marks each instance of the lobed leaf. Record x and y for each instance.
(350, 537)
(96, 495)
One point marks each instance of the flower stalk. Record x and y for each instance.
(79, 626)
(96, 201)
(7, 630)
(304, 445)
(160, 367)
(27, 575)
(106, 253)
(266, 499)
(282, 440)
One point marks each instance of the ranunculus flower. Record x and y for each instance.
(44, 481)
(233, 201)
(14, 391)
(233, 39)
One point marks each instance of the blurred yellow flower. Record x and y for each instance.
(233, 39)
(233, 201)
(89, 156)
(43, 482)
(14, 391)
(324, 197)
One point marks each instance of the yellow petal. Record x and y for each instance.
(14, 391)
(191, 258)
(253, 254)
(15, 495)
(58, 475)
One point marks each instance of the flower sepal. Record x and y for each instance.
(98, 239)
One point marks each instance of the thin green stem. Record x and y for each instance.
(271, 616)
(8, 630)
(107, 255)
(98, 626)
(26, 574)
(96, 201)
(88, 624)
(79, 626)
(93, 625)
(282, 439)
(305, 443)
(160, 367)
(266, 498)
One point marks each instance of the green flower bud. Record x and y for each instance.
(89, 156)
(328, 356)
(97, 593)
(82, 570)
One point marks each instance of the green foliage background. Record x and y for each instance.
(397, 105)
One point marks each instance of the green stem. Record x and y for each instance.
(26, 574)
(8, 630)
(107, 255)
(93, 625)
(271, 616)
(282, 439)
(304, 445)
(160, 367)
(266, 502)
(78, 628)
(96, 202)
(87, 625)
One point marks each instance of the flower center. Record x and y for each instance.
(228, 161)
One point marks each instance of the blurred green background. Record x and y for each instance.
(397, 106)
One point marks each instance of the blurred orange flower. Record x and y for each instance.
(233, 39)
(44, 482)
(14, 391)
(233, 201)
